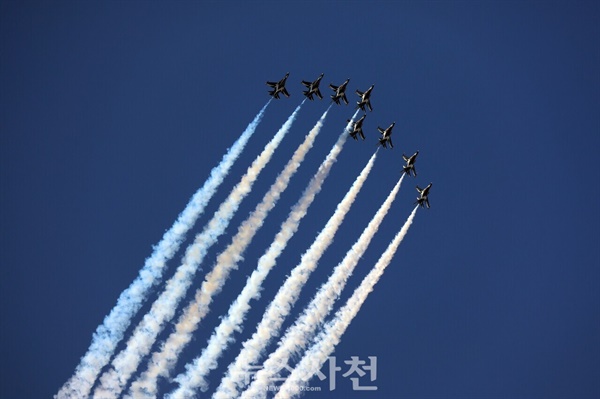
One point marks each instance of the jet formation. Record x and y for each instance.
(356, 129)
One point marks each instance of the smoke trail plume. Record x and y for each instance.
(287, 295)
(332, 333)
(164, 360)
(110, 333)
(197, 371)
(125, 363)
(299, 335)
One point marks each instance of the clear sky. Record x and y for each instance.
(112, 114)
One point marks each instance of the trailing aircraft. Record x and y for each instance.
(386, 136)
(340, 92)
(423, 199)
(365, 99)
(410, 164)
(279, 87)
(357, 128)
(313, 88)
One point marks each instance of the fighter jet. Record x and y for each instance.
(422, 199)
(410, 164)
(340, 92)
(313, 88)
(365, 99)
(357, 128)
(279, 87)
(386, 136)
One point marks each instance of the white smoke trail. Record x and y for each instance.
(287, 295)
(110, 333)
(139, 344)
(332, 333)
(299, 335)
(198, 369)
(164, 360)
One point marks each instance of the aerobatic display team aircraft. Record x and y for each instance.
(410, 164)
(279, 87)
(386, 136)
(423, 199)
(357, 128)
(340, 92)
(313, 88)
(365, 99)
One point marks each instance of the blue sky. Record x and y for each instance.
(112, 115)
